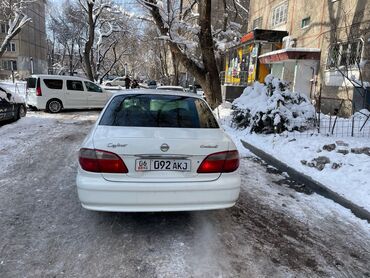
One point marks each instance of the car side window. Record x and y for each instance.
(91, 87)
(54, 83)
(74, 85)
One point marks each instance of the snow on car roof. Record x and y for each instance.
(59, 76)
(156, 92)
(170, 87)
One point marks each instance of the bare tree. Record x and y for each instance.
(93, 10)
(192, 40)
(67, 30)
(14, 17)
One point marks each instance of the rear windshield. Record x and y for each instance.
(158, 111)
(31, 82)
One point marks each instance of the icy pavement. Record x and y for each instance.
(273, 231)
(350, 179)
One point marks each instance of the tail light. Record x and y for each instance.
(38, 88)
(98, 161)
(222, 162)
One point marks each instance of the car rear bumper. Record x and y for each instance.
(96, 193)
(34, 101)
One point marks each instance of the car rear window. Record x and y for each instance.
(31, 82)
(54, 83)
(158, 111)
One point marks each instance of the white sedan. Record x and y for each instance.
(157, 151)
(118, 81)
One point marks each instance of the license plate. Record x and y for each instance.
(182, 165)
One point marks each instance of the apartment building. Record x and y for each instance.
(27, 52)
(325, 51)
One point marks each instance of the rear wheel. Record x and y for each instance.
(54, 106)
(21, 112)
(109, 84)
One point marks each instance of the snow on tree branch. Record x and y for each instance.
(17, 19)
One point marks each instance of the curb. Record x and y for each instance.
(314, 185)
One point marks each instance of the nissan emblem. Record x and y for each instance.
(164, 147)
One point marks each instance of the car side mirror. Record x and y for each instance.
(8, 95)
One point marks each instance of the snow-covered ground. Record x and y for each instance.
(35, 126)
(273, 231)
(351, 179)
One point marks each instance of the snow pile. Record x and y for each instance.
(272, 107)
(350, 156)
(362, 114)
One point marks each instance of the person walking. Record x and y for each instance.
(134, 84)
(127, 82)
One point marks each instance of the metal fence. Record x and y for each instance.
(356, 126)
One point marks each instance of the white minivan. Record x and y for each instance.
(56, 92)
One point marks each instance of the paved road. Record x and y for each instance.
(277, 229)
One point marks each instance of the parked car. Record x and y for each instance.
(197, 89)
(171, 88)
(118, 81)
(56, 92)
(12, 105)
(157, 151)
(110, 78)
(152, 84)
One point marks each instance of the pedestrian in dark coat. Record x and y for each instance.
(127, 82)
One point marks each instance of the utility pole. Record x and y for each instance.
(31, 59)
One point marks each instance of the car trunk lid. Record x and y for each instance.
(135, 144)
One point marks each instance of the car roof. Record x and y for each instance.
(156, 92)
(170, 87)
(59, 77)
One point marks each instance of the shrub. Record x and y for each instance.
(272, 107)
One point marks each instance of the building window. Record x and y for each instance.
(306, 22)
(279, 14)
(257, 23)
(4, 28)
(346, 54)
(9, 65)
(10, 47)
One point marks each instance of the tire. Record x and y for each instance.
(109, 84)
(22, 111)
(54, 106)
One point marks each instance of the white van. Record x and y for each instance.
(56, 92)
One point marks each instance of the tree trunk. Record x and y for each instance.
(211, 85)
(89, 43)
(208, 76)
(71, 60)
(175, 63)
